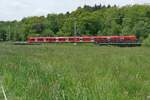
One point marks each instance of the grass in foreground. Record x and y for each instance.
(61, 72)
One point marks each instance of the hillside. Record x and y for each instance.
(96, 20)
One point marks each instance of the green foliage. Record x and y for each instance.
(3, 35)
(47, 32)
(61, 33)
(96, 20)
(146, 42)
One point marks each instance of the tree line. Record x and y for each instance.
(90, 20)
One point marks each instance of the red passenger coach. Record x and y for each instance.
(85, 39)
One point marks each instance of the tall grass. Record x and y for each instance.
(67, 72)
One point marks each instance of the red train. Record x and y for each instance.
(85, 39)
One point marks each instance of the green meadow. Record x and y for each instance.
(69, 72)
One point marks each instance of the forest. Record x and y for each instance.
(89, 20)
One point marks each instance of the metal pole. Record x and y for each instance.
(75, 30)
(9, 32)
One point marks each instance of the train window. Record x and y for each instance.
(61, 39)
(71, 39)
(40, 39)
(86, 39)
(53, 39)
(48, 39)
(32, 39)
(80, 39)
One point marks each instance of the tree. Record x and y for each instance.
(146, 42)
(3, 35)
(90, 20)
(141, 29)
(47, 32)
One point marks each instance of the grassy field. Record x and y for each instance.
(67, 72)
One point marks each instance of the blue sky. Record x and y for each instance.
(17, 9)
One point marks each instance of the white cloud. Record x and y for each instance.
(40, 11)
(17, 9)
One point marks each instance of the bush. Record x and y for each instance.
(146, 42)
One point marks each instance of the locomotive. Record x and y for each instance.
(102, 40)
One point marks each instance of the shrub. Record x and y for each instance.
(146, 42)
